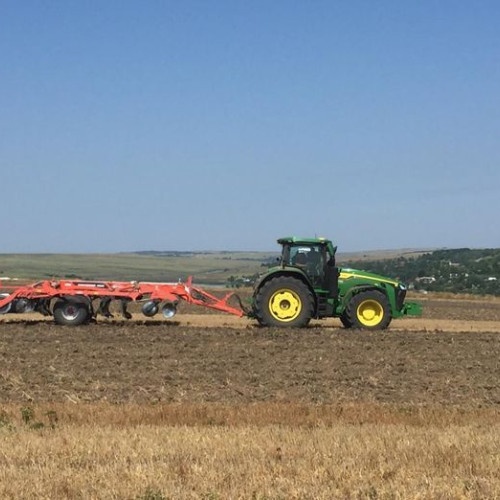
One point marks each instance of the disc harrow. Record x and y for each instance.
(74, 302)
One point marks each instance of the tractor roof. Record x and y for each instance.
(302, 241)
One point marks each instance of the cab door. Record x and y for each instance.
(331, 275)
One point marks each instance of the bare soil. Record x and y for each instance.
(450, 356)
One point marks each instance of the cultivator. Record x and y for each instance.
(73, 302)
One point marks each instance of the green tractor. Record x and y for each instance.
(307, 284)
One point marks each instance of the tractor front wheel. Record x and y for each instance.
(284, 301)
(345, 321)
(369, 310)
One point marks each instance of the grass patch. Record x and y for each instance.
(212, 267)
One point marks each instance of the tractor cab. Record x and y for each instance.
(315, 257)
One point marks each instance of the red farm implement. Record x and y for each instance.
(73, 302)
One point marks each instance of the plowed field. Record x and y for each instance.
(449, 356)
(211, 406)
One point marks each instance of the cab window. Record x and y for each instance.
(311, 259)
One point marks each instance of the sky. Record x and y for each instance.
(225, 124)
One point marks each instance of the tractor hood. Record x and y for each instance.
(348, 273)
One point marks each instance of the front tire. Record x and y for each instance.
(70, 313)
(345, 321)
(369, 310)
(284, 301)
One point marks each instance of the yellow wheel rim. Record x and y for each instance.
(370, 312)
(285, 305)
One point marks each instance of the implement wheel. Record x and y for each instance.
(284, 301)
(369, 310)
(71, 313)
(8, 307)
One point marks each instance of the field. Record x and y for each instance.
(211, 406)
(206, 267)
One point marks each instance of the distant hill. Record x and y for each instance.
(213, 268)
(462, 270)
(459, 270)
(376, 255)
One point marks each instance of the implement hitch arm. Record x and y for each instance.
(202, 298)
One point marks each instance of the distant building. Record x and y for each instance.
(427, 280)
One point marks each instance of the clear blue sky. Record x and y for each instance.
(224, 124)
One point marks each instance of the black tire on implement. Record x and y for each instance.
(5, 309)
(284, 301)
(369, 310)
(71, 313)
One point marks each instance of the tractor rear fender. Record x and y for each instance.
(287, 271)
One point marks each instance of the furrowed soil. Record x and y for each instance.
(212, 406)
(150, 363)
(441, 358)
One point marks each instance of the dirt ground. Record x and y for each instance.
(449, 356)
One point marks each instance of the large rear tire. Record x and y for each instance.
(369, 310)
(284, 301)
(71, 313)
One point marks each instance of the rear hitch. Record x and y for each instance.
(248, 312)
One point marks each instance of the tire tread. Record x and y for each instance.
(264, 293)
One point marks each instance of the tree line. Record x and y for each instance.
(461, 270)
